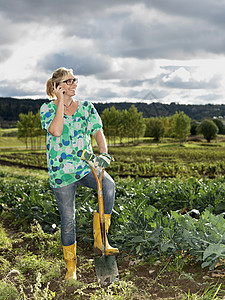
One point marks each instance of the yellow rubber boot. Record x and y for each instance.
(97, 236)
(70, 258)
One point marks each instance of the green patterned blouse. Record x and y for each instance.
(63, 153)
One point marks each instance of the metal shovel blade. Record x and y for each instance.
(106, 269)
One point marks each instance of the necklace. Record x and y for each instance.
(67, 107)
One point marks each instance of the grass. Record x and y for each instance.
(11, 142)
(4, 241)
(8, 139)
(40, 174)
(8, 291)
(14, 143)
(210, 293)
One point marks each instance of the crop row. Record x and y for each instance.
(151, 216)
(169, 152)
(168, 169)
(147, 162)
(35, 159)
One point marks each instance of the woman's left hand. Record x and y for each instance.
(103, 160)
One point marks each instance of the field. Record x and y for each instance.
(167, 222)
(165, 160)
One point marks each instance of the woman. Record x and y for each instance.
(69, 124)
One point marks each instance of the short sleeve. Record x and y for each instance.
(94, 120)
(47, 114)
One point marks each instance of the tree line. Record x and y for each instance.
(180, 126)
(10, 108)
(129, 126)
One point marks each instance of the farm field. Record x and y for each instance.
(167, 221)
(158, 257)
(143, 160)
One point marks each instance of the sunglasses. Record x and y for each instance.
(71, 81)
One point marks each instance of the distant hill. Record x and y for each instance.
(10, 108)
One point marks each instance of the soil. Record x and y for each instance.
(155, 279)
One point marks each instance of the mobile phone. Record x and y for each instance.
(57, 84)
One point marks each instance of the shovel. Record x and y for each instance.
(105, 266)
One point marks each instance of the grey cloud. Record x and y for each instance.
(56, 11)
(171, 41)
(148, 94)
(209, 10)
(177, 83)
(98, 27)
(174, 68)
(131, 83)
(177, 39)
(119, 34)
(10, 34)
(13, 91)
(28, 10)
(82, 65)
(5, 53)
(189, 29)
(167, 79)
(106, 93)
(210, 97)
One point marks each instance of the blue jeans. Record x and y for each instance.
(65, 197)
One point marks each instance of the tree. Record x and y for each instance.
(122, 124)
(167, 124)
(180, 126)
(220, 126)
(209, 129)
(193, 129)
(29, 128)
(110, 119)
(39, 132)
(106, 122)
(22, 127)
(155, 128)
(136, 123)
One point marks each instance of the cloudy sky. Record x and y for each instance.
(121, 50)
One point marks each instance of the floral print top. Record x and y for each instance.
(63, 153)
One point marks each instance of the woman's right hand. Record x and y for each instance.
(59, 92)
(56, 126)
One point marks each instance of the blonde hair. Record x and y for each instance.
(58, 76)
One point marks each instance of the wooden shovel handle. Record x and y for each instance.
(100, 207)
